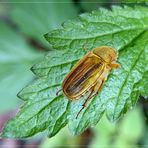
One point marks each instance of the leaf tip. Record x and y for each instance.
(6, 133)
(46, 36)
(19, 94)
(32, 68)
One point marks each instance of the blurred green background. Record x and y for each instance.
(22, 25)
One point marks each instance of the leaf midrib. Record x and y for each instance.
(98, 35)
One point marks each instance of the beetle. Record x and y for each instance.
(89, 74)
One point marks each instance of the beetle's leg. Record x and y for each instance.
(57, 93)
(100, 85)
(114, 65)
(84, 104)
(96, 88)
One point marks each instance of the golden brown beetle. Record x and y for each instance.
(89, 73)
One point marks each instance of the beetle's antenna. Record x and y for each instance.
(57, 93)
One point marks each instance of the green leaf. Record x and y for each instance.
(119, 134)
(16, 58)
(124, 29)
(126, 125)
(89, 5)
(133, 1)
(60, 140)
(41, 16)
(3, 10)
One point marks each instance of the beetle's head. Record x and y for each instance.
(107, 53)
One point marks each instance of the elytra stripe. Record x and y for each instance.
(84, 77)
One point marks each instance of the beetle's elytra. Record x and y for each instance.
(89, 74)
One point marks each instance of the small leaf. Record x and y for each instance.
(16, 58)
(126, 125)
(89, 5)
(41, 16)
(124, 29)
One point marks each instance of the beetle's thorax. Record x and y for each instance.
(107, 54)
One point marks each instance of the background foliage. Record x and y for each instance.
(40, 94)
